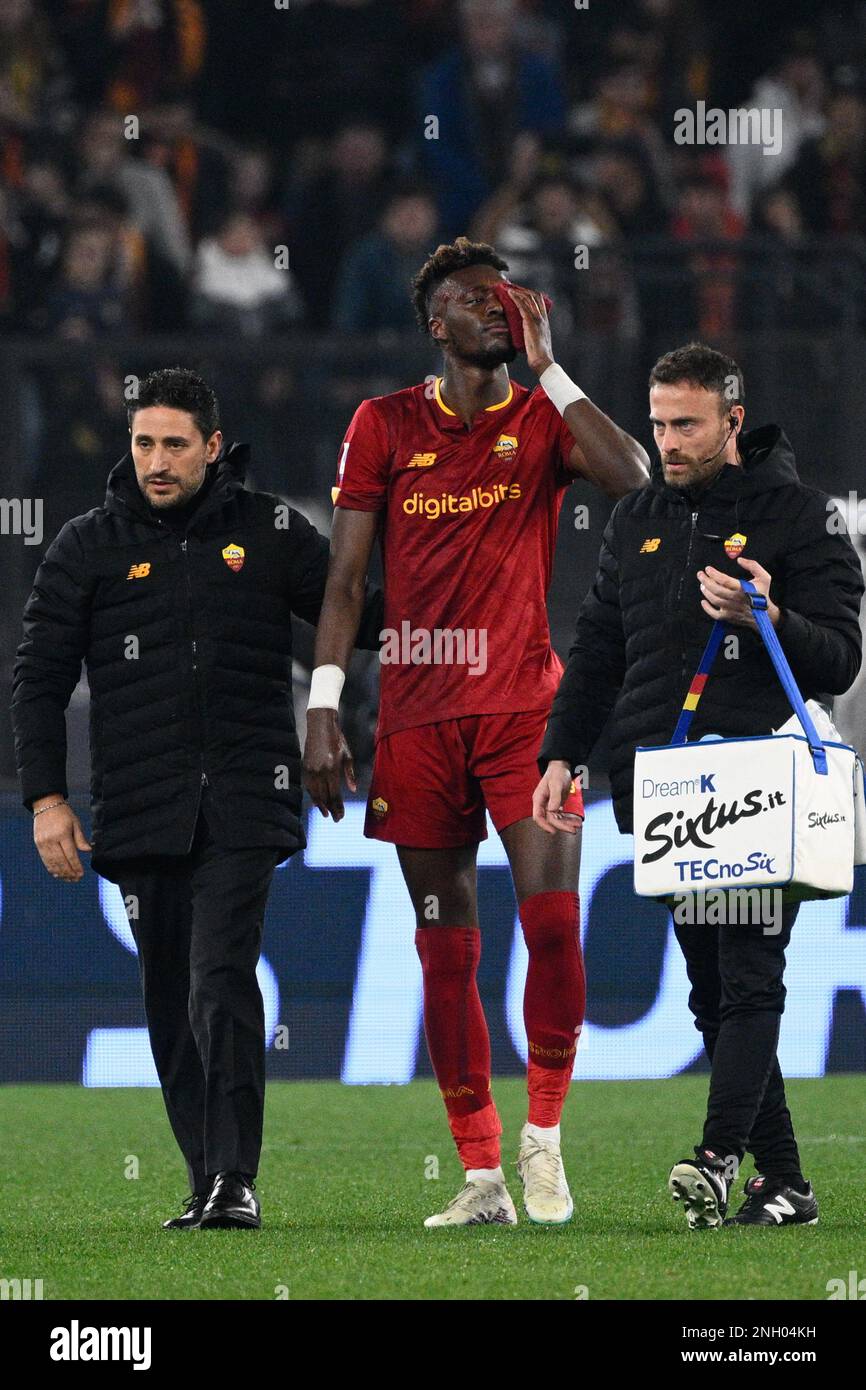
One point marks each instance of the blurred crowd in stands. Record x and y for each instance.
(211, 178)
(252, 169)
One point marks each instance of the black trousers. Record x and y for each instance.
(197, 921)
(738, 997)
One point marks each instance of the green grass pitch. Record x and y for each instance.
(344, 1187)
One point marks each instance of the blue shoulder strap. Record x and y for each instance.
(758, 603)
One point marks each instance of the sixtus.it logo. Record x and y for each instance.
(676, 830)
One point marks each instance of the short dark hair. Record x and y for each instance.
(450, 256)
(701, 365)
(180, 389)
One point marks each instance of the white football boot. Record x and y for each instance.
(545, 1191)
(479, 1203)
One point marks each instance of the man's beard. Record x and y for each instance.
(185, 492)
(488, 358)
(701, 472)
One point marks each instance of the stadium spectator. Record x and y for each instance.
(325, 76)
(251, 190)
(788, 281)
(195, 160)
(237, 286)
(33, 84)
(829, 178)
(526, 163)
(152, 201)
(340, 202)
(796, 89)
(32, 223)
(80, 428)
(625, 177)
(670, 41)
(688, 274)
(552, 240)
(621, 110)
(91, 296)
(706, 222)
(482, 94)
(10, 239)
(126, 54)
(372, 290)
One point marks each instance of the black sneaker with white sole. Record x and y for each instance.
(701, 1184)
(771, 1202)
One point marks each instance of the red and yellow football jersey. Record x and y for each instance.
(469, 520)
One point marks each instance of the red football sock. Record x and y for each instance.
(458, 1040)
(554, 999)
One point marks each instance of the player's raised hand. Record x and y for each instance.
(549, 797)
(327, 760)
(536, 327)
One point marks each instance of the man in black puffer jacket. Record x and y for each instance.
(721, 505)
(178, 595)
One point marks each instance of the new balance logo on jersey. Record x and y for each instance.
(139, 571)
(421, 461)
(651, 543)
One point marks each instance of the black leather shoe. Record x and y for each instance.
(192, 1210)
(771, 1202)
(232, 1204)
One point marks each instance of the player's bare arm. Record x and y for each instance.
(603, 453)
(327, 756)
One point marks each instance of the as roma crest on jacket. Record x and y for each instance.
(234, 556)
(735, 545)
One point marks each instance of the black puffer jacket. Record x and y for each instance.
(641, 629)
(188, 643)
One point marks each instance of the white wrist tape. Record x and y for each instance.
(559, 387)
(326, 687)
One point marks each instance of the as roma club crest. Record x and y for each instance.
(234, 556)
(505, 448)
(735, 545)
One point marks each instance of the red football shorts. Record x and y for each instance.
(431, 784)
